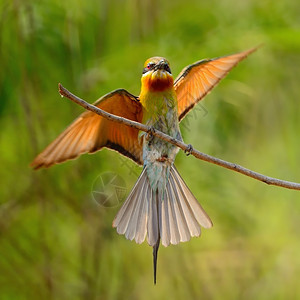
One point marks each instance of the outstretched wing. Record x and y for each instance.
(196, 80)
(91, 132)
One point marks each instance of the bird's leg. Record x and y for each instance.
(189, 150)
(155, 250)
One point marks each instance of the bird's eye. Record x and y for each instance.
(150, 65)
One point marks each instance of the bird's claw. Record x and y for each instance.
(189, 150)
(150, 132)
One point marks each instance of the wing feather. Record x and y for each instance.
(196, 80)
(91, 132)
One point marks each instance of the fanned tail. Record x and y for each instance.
(181, 215)
(175, 217)
(139, 214)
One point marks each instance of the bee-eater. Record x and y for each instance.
(160, 205)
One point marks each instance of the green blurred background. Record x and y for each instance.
(56, 241)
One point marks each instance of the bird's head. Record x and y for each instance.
(157, 76)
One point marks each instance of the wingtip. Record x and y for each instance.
(258, 46)
(35, 165)
(253, 49)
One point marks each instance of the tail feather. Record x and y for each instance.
(173, 223)
(165, 217)
(152, 228)
(141, 231)
(198, 212)
(138, 215)
(155, 251)
(184, 202)
(137, 212)
(180, 221)
(127, 211)
(175, 217)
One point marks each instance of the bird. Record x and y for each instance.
(160, 207)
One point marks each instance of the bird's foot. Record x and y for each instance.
(189, 150)
(150, 132)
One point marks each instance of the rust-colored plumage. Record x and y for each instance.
(160, 206)
(91, 132)
(196, 80)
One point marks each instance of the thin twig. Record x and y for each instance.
(187, 148)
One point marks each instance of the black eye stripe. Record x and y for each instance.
(145, 70)
(151, 66)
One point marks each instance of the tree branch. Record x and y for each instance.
(187, 148)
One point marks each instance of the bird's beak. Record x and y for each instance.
(159, 78)
(162, 65)
(161, 71)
